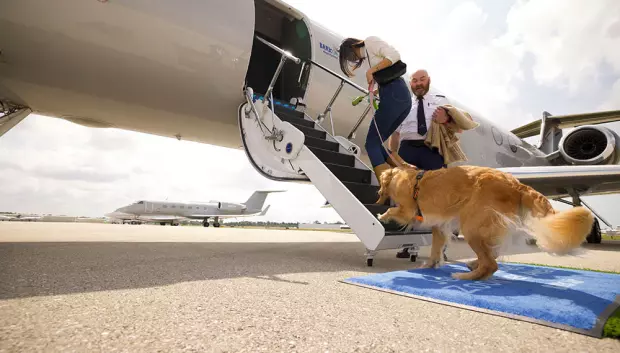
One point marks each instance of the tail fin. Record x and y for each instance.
(257, 199)
(557, 232)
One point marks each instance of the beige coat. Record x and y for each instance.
(444, 136)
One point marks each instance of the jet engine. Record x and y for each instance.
(590, 145)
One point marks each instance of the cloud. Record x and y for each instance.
(507, 61)
(570, 40)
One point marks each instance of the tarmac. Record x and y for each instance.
(137, 288)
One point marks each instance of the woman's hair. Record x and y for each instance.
(347, 54)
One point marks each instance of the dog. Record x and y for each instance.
(486, 204)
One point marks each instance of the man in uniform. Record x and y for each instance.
(408, 140)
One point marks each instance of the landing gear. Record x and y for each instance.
(404, 253)
(162, 223)
(205, 223)
(595, 236)
(216, 225)
(216, 222)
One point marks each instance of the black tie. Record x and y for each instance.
(421, 117)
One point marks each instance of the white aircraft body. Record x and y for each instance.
(165, 212)
(196, 70)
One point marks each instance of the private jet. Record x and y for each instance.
(168, 212)
(261, 76)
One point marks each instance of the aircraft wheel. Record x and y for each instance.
(369, 262)
(413, 258)
(162, 223)
(216, 225)
(205, 224)
(595, 236)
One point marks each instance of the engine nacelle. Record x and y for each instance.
(590, 145)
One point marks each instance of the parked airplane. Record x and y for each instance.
(170, 212)
(20, 217)
(261, 76)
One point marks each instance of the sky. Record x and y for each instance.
(508, 60)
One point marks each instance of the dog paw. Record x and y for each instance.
(461, 276)
(430, 264)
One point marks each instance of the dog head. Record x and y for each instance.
(384, 182)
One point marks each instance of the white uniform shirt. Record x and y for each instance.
(409, 128)
(377, 51)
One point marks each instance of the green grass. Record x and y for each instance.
(612, 326)
(610, 237)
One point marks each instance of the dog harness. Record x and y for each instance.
(416, 191)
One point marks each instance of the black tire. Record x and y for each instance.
(216, 225)
(413, 258)
(595, 236)
(369, 262)
(205, 224)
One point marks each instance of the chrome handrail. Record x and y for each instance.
(350, 83)
(287, 55)
(281, 51)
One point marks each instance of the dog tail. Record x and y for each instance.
(557, 232)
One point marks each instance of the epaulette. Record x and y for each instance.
(440, 95)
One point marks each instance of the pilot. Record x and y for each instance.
(407, 141)
(385, 68)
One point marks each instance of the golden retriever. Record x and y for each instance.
(485, 204)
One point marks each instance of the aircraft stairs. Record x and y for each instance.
(286, 144)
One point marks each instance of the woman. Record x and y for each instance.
(395, 101)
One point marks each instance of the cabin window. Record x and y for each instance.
(165, 206)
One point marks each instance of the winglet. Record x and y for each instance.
(264, 211)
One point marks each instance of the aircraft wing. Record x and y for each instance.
(564, 121)
(558, 181)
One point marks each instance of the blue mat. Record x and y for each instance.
(572, 300)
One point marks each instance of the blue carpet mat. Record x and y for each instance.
(572, 300)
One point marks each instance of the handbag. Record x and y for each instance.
(390, 73)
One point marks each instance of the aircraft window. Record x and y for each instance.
(140, 203)
(165, 206)
(174, 206)
(189, 207)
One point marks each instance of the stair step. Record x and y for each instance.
(380, 209)
(322, 144)
(290, 112)
(365, 193)
(295, 120)
(308, 131)
(349, 174)
(334, 157)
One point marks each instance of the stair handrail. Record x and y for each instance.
(280, 50)
(287, 55)
(335, 139)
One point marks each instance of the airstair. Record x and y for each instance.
(286, 144)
